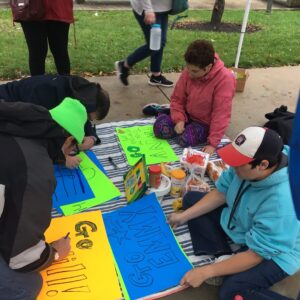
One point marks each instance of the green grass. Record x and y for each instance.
(112, 35)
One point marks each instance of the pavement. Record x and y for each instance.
(265, 89)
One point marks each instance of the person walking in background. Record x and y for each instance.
(52, 29)
(201, 102)
(148, 12)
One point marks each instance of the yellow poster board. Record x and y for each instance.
(88, 272)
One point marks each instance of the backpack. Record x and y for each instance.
(27, 10)
(281, 121)
(178, 6)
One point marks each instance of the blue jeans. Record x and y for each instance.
(144, 51)
(18, 286)
(208, 237)
(254, 283)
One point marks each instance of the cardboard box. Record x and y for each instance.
(241, 76)
(198, 167)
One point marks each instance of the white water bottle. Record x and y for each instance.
(155, 37)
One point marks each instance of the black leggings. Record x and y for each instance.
(38, 34)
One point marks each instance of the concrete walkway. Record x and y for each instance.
(194, 4)
(265, 90)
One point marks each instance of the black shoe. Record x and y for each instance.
(153, 109)
(160, 80)
(122, 72)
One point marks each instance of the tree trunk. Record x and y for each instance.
(217, 14)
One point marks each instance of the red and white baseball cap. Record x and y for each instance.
(250, 144)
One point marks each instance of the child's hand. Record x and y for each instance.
(72, 162)
(209, 149)
(62, 246)
(87, 143)
(175, 219)
(179, 127)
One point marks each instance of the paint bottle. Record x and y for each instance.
(177, 182)
(154, 176)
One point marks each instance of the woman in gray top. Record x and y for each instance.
(148, 12)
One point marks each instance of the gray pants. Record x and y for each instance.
(18, 286)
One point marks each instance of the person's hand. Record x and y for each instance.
(62, 246)
(179, 127)
(176, 219)
(72, 162)
(149, 17)
(208, 149)
(195, 277)
(68, 146)
(87, 143)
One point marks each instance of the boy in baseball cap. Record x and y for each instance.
(251, 144)
(251, 206)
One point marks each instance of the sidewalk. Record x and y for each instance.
(194, 4)
(265, 90)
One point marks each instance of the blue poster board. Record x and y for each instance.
(148, 256)
(71, 187)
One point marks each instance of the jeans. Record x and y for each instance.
(254, 283)
(18, 286)
(38, 34)
(208, 237)
(144, 51)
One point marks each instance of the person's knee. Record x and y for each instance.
(163, 127)
(229, 288)
(191, 198)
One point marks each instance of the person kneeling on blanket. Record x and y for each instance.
(252, 206)
(27, 183)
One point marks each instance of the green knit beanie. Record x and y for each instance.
(71, 115)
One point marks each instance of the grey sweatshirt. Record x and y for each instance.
(151, 5)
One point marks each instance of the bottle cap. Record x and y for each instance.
(155, 169)
(155, 25)
(178, 174)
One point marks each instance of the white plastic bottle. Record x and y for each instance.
(155, 37)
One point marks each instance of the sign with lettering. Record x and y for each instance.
(101, 186)
(139, 140)
(149, 258)
(88, 272)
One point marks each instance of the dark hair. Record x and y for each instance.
(272, 161)
(200, 53)
(103, 103)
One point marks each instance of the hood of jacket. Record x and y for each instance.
(85, 91)
(217, 66)
(28, 120)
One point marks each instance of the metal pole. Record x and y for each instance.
(243, 30)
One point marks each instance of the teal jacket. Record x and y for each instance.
(265, 219)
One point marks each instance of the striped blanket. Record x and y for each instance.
(110, 146)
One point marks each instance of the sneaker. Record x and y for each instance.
(153, 109)
(217, 281)
(160, 81)
(122, 71)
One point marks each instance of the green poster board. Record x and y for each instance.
(139, 140)
(102, 187)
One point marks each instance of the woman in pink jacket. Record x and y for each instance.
(52, 29)
(201, 102)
